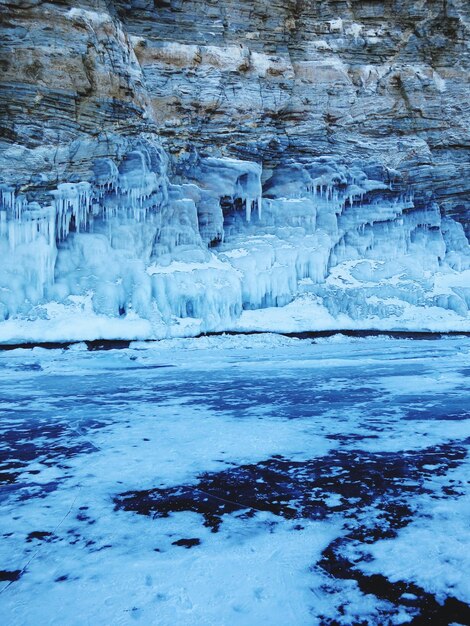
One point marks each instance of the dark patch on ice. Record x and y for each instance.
(308, 395)
(41, 535)
(6, 477)
(350, 437)
(27, 367)
(445, 416)
(147, 367)
(427, 610)
(10, 576)
(48, 345)
(35, 440)
(96, 344)
(187, 543)
(83, 517)
(61, 579)
(296, 489)
(373, 492)
(107, 344)
(448, 407)
(105, 547)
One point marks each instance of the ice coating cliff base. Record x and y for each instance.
(322, 244)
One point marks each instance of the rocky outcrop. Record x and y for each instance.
(268, 81)
(262, 81)
(195, 159)
(72, 91)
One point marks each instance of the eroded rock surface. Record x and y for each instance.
(257, 80)
(142, 132)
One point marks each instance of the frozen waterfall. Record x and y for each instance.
(338, 241)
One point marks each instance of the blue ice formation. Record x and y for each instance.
(224, 236)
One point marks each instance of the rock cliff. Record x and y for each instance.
(262, 81)
(266, 81)
(154, 125)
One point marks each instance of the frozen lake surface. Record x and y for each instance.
(236, 481)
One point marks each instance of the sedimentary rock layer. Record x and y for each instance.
(263, 81)
(195, 159)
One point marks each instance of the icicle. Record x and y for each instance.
(72, 200)
(248, 206)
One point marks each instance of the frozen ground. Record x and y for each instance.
(236, 480)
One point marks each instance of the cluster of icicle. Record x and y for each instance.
(73, 206)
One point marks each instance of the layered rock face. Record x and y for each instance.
(72, 90)
(266, 81)
(190, 160)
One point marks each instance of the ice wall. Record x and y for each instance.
(193, 253)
